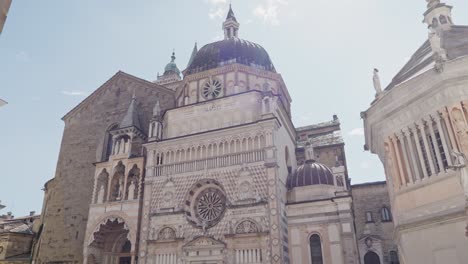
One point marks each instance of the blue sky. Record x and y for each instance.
(54, 53)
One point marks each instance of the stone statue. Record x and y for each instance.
(120, 188)
(101, 194)
(376, 80)
(131, 191)
(460, 164)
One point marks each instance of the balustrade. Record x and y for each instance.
(210, 163)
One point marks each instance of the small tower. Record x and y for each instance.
(230, 25)
(171, 73)
(155, 127)
(438, 16)
(128, 137)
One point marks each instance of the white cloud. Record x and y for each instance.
(358, 131)
(216, 2)
(217, 8)
(74, 93)
(217, 37)
(269, 11)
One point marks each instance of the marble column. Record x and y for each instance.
(401, 137)
(426, 147)
(443, 138)
(419, 149)
(414, 161)
(434, 144)
(398, 160)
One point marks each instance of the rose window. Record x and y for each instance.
(210, 205)
(211, 89)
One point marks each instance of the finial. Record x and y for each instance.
(134, 95)
(173, 56)
(309, 153)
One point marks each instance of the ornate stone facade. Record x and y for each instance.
(207, 168)
(416, 125)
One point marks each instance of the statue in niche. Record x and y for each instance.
(101, 193)
(461, 129)
(167, 200)
(117, 147)
(245, 191)
(131, 191)
(460, 164)
(120, 188)
(376, 80)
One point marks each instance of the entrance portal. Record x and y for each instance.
(371, 258)
(110, 244)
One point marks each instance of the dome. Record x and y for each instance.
(230, 50)
(171, 67)
(310, 173)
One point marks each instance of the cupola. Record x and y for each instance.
(438, 15)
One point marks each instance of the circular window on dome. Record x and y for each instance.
(211, 89)
(209, 207)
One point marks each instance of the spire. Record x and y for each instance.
(131, 118)
(230, 14)
(194, 52)
(438, 16)
(230, 25)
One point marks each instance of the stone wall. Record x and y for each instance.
(372, 197)
(65, 217)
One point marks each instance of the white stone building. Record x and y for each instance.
(418, 127)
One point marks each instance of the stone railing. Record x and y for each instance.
(210, 163)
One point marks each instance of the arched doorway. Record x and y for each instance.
(371, 258)
(110, 243)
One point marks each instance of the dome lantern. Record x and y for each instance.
(230, 25)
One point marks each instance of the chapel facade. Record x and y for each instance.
(204, 168)
(418, 127)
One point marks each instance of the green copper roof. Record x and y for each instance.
(171, 66)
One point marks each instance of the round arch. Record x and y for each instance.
(371, 258)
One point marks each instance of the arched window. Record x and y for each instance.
(371, 258)
(443, 19)
(107, 146)
(385, 214)
(316, 250)
(369, 218)
(394, 257)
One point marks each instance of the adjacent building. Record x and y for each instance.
(374, 223)
(418, 127)
(4, 7)
(16, 237)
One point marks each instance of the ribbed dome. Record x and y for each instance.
(310, 173)
(231, 50)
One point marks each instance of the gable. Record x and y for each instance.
(121, 80)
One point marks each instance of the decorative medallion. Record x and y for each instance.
(210, 205)
(211, 89)
(246, 227)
